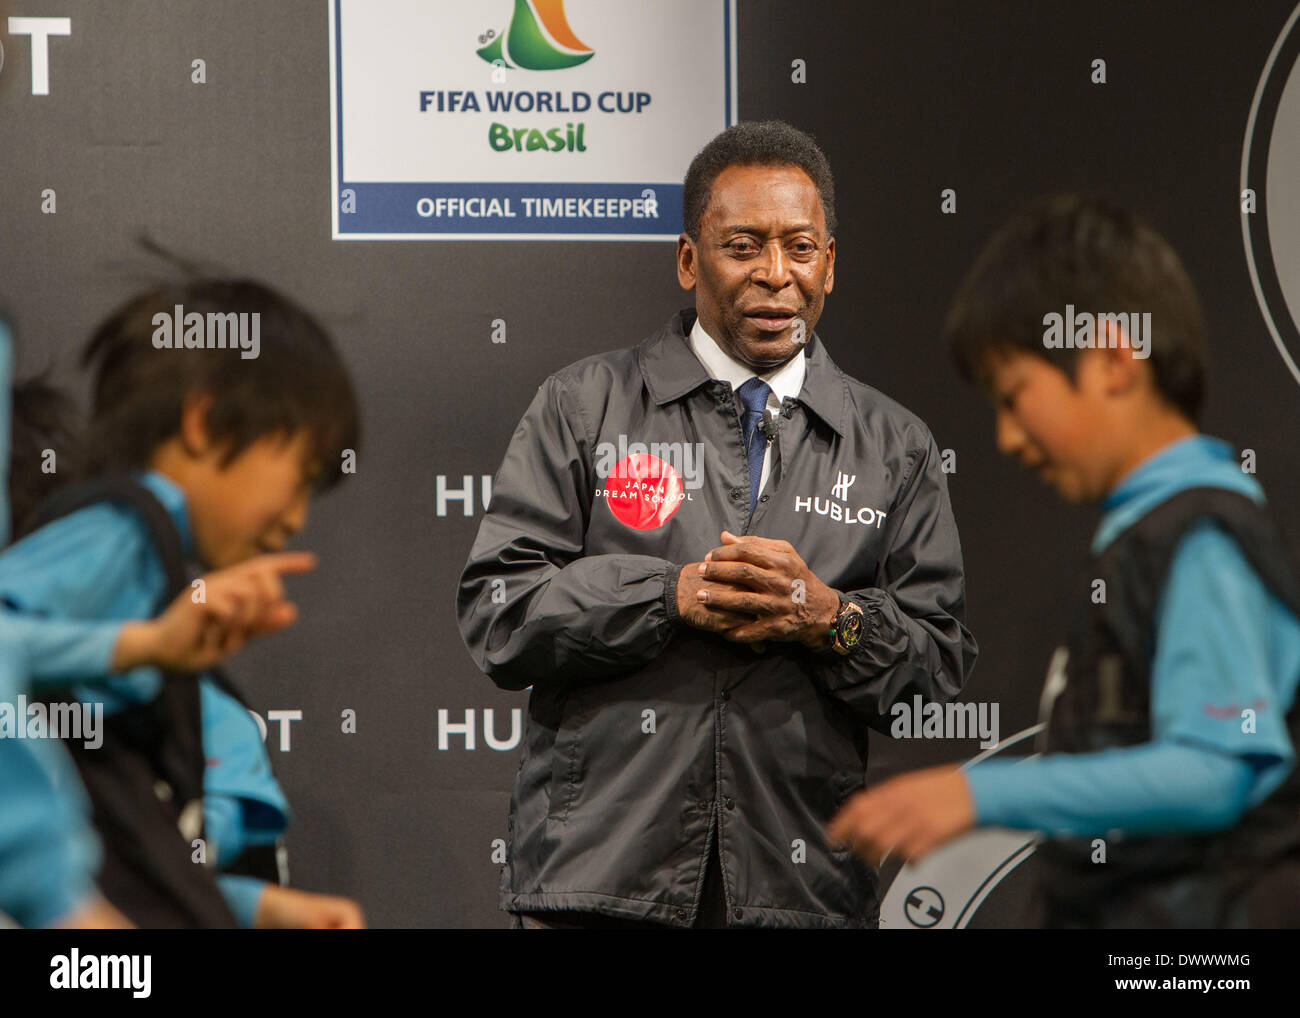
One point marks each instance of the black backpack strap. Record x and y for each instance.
(145, 781)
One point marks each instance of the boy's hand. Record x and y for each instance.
(239, 603)
(909, 815)
(283, 908)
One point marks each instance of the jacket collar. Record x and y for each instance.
(671, 370)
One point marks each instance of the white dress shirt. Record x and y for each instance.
(784, 381)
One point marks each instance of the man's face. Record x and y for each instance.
(1049, 424)
(763, 263)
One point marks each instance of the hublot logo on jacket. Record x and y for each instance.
(840, 511)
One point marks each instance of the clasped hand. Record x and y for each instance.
(752, 589)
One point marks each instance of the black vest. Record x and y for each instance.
(145, 782)
(1099, 697)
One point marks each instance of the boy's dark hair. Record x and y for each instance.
(296, 381)
(755, 143)
(41, 421)
(1082, 250)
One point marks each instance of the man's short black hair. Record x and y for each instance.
(1086, 251)
(755, 143)
(297, 380)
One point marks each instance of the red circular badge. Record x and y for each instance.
(643, 491)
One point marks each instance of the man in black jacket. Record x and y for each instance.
(718, 561)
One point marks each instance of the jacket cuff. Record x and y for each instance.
(671, 575)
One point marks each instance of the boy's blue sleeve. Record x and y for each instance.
(220, 826)
(242, 895)
(76, 566)
(243, 803)
(1227, 659)
(56, 651)
(1224, 645)
(95, 566)
(1151, 788)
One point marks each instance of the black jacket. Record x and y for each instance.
(647, 738)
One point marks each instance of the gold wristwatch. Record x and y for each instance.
(847, 626)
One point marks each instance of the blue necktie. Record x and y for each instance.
(754, 395)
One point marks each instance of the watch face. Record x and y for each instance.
(851, 628)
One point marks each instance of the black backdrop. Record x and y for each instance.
(992, 100)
